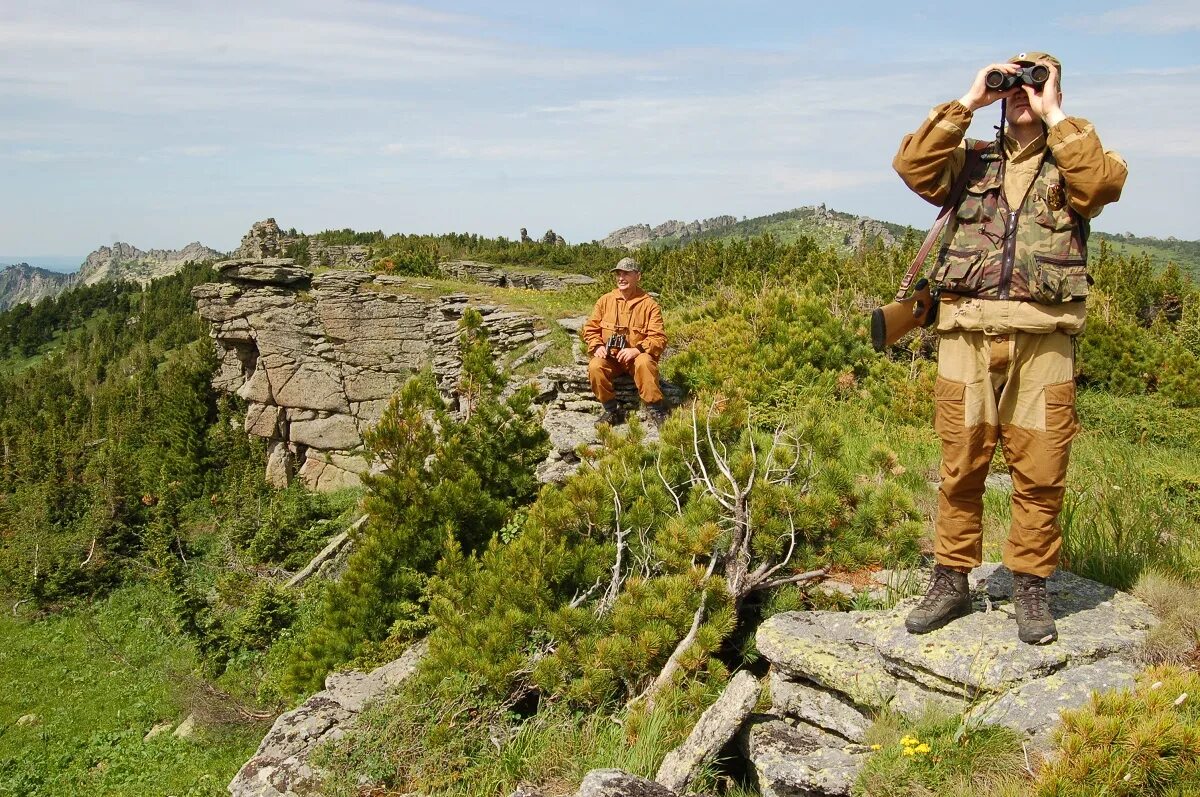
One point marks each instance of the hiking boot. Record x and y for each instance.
(1035, 623)
(613, 415)
(947, 598)
(658, 413)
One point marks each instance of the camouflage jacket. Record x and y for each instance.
(1044, 245)
(1036, 251)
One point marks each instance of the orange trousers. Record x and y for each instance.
(1018, 389)
(603, 370)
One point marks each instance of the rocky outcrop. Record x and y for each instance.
(122, 261)
(832, 671)
(531, 279)
(318, 357)
(636, 235)
(22, 283)
(281, 766)
(264, 239)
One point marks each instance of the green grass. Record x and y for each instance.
(448, 743)
(947, 757)
(97, 679)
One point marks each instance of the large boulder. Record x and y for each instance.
(831, 672)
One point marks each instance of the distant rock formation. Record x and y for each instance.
(123, 261)
(636, 235)
(21, 283)
(266, 240)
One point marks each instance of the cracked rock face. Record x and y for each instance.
(317, 358)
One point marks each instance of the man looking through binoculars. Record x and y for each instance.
(625, 333)
(1011, 281)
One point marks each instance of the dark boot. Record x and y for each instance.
(947, 598)
(658, 413)
(1035, 623)
(613, 415)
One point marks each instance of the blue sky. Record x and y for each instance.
(160, 123)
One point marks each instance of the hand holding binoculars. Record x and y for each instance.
(1035, 76)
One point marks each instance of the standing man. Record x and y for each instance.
(625, 333)
(1013, 279)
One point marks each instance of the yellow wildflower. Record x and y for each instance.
(923, 748)
(908, 751)
(876, 746)
(906, 740)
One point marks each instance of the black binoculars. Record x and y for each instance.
(616, 343)
(1035, 76)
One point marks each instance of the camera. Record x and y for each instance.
(1035, 76)
(616, 342)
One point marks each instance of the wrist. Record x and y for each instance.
(1053, 117)
(970, 103)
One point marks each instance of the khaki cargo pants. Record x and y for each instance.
(1018, 389)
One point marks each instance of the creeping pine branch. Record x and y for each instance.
(672, 666)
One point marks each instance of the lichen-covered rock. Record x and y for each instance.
(982, 653)
(836, 669)
(833, 649)
(1036, 707)
(717, 725)
(615, 783)
(791, 760)
(826, 709)
(280, 767)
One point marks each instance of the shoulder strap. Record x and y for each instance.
(974, 152)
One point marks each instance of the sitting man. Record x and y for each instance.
(625, 333)
(1013, 282)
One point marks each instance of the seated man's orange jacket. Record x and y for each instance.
(639, 318)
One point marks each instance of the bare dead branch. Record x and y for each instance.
(796, 579)
(581, 598)
(667, 484)
(705, 479)
(91, 552)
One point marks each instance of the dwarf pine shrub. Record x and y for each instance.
(1144, 741)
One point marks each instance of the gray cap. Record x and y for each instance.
(626, 264)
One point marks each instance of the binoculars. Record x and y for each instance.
(1035, 76)
(616, 343)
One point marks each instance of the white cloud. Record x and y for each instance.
(1161, 17)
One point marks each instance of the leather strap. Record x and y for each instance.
(939, 224)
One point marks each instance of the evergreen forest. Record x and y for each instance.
(144, 561)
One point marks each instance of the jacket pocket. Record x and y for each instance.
(1056, 280)
(959, 270)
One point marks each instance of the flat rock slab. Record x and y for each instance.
(835, 650)
(835, 670)
(794, 760)
(1037, 707)
(827, 710)
(981, 651)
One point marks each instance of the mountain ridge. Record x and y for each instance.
(21, 282)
